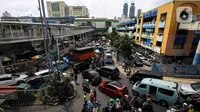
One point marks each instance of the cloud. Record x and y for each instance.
(97, 8)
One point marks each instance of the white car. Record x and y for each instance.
(189, 88)
(12, 79)
(46, 74)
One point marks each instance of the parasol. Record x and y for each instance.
(36, 57)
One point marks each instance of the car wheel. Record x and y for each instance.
(163, 103)
(135, 93)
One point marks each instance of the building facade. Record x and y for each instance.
(57, 9)
(132, 10)
(125, 9)
(139, 11)
(159, 31)
(78, 11)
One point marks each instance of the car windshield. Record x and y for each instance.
(95, 74)
(196, 86)
(137, 83)
(15, 76)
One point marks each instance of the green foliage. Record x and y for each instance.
(52, 92)
(121, 43)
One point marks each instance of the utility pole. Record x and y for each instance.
(46, 36)
(45, 41)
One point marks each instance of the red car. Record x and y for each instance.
(113, 89)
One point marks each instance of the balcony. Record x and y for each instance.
(145, 45)
(147, 35)
(157, 49)
(159, 38)
(149, 25)
(150, 14)
(161, 24)
(131, 28)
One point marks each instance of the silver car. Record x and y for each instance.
(189, 88)
(12, 79)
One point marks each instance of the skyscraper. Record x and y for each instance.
(132, 10)
(125, 9)
(139, 11)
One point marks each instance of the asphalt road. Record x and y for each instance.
(78, 101)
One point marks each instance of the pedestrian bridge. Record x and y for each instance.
(15, 32)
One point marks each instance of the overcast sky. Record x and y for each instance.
(97, 8)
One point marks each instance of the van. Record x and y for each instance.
(140, 74)
(164, 92)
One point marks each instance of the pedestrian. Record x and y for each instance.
(91, 96)
(95, 94)
(85, 97)
(75, 77)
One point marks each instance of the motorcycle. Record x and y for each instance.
(86, 87)
(145, 104)
(173, 109)
(97, 105)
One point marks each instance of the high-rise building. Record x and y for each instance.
(132, 10)
(6, 14)
(78, 11)
(57, 9)
(139, 11)
(125, 10)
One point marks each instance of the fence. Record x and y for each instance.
(178, 70)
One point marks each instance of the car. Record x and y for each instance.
(113, 89)
(111, 72)
(137, 61)
(35, 82)
(140, 74)
(93, 77)
(148, 62)
(78, 67)
(108, 59)
(189, 88)
(12, 79)
(47, 74)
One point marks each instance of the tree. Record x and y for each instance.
(123, 45)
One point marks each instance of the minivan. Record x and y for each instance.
(164, 92)
(111, 72)
(140, 74)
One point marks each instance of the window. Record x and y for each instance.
(178, 46)
(143, 86)
(6, 78)
(166, 92)
(110, 87)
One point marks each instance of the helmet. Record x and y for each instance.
(190, 106)
(139, 110)
(117, 100)
(185, 104)
(126, 96)
(148, 95)
(111, 100)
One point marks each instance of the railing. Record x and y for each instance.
(149, 25)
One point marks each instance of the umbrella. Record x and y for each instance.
(36, 57)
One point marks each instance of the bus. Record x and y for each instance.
(82, 54)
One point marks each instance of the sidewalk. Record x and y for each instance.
(178, 80)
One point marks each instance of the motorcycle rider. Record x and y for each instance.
(136, 103)
(125, 102)
(191, 108)
(184, 108)
(148, 101)
(117, 104)
(111, 104)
